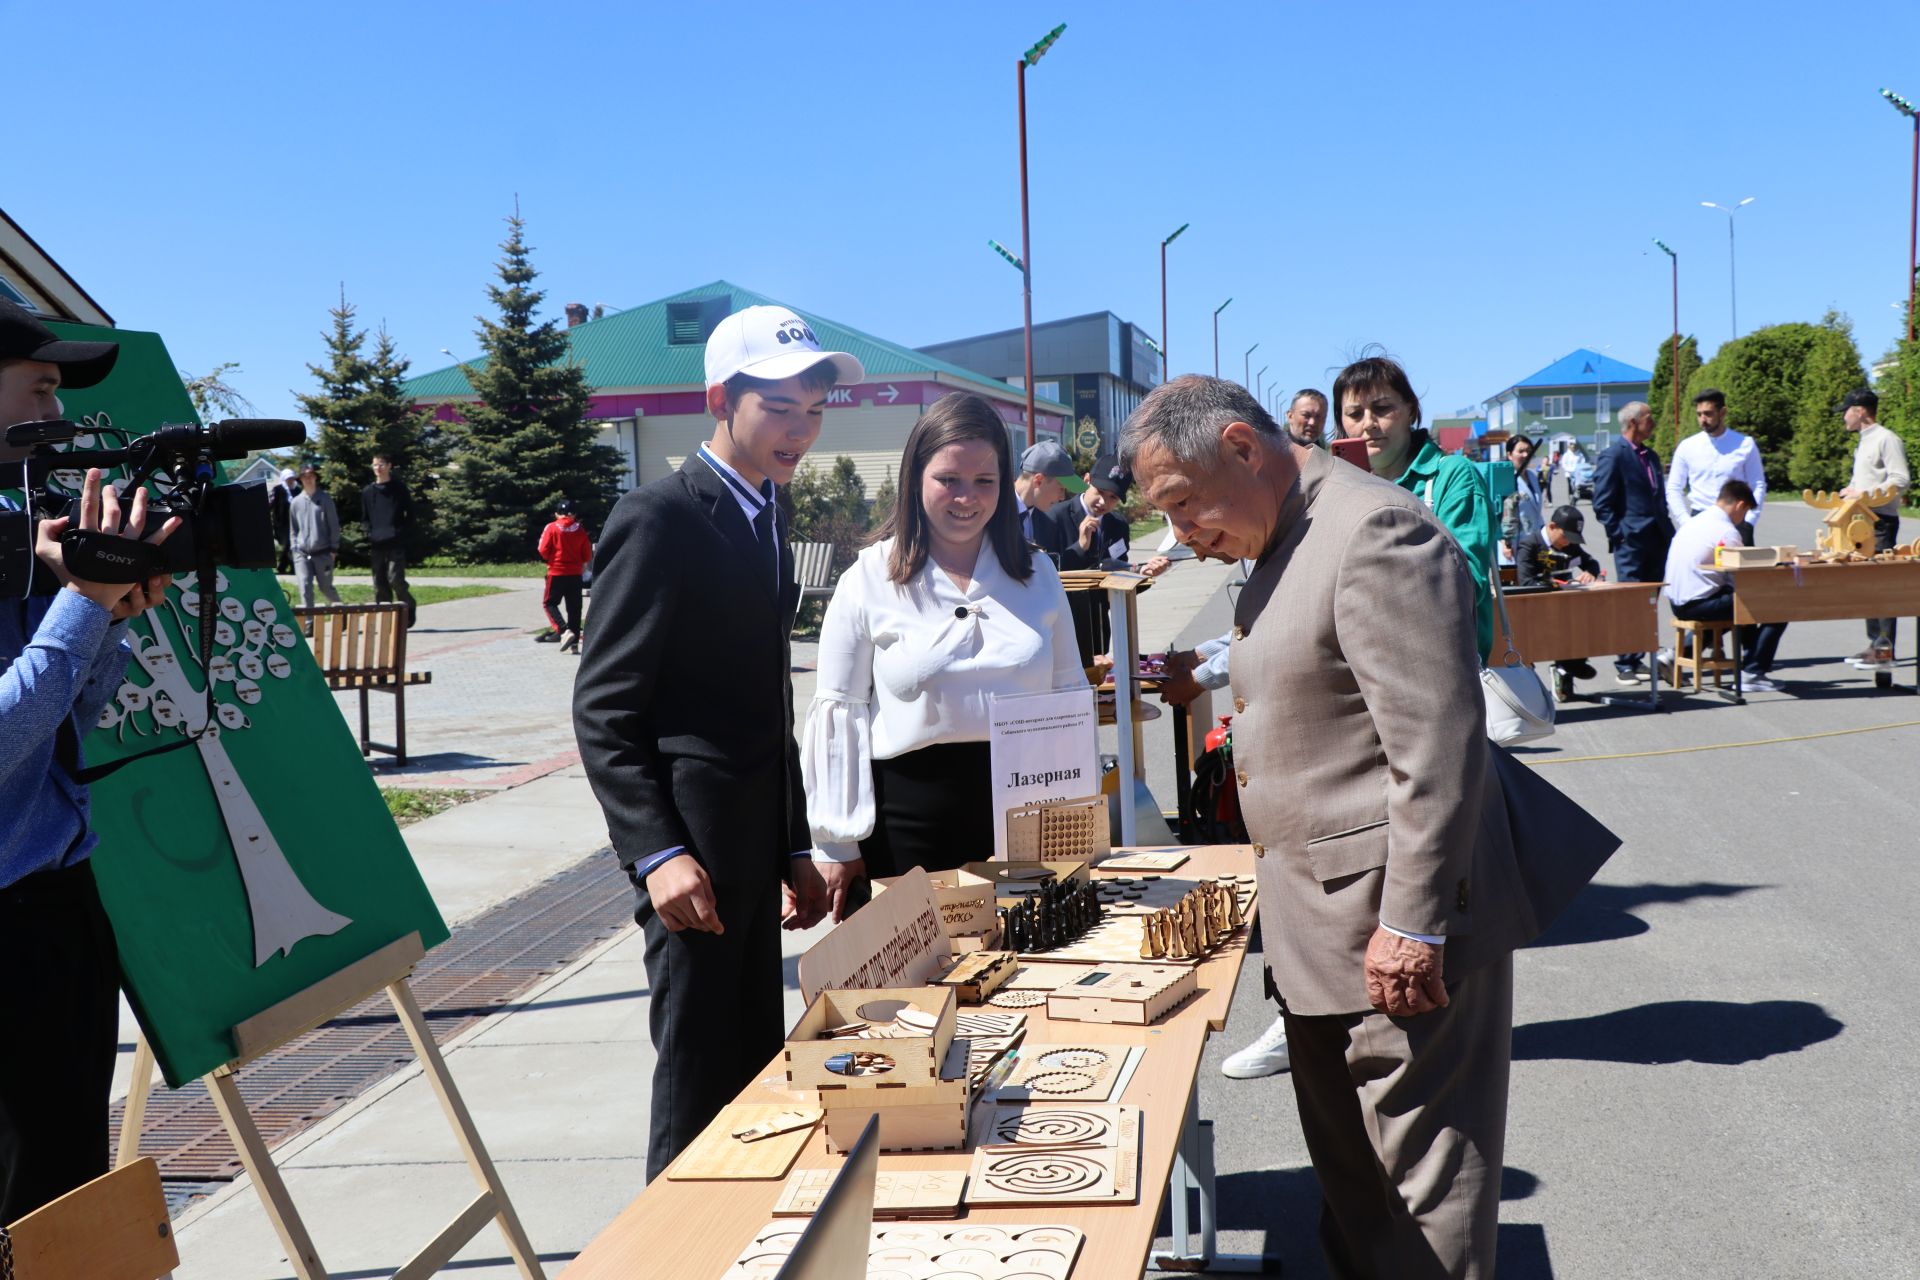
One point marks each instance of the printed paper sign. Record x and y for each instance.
(1043, 748)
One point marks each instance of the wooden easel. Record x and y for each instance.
(388, 969)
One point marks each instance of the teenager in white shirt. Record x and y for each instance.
(1704, 462)
(1699, 592)
(947, 607)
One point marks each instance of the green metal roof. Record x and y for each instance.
(629, 349)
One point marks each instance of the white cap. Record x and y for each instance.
(772, 343)
(286, 473)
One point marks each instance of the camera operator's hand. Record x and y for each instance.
(100, 510)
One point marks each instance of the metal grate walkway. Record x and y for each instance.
(484, 965)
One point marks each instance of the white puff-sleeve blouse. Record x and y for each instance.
(910, 665)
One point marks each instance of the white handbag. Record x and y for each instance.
(1519, 708)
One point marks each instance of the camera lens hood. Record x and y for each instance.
(92, 556)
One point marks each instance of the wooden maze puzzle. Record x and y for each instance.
(1084, 1155)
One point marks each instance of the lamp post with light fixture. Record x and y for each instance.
(1028, 59)
(1732, 302)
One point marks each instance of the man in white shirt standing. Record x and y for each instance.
(1703, 463)
(1699, 592)
(1879, 459)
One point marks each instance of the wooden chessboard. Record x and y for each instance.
(1124, 899)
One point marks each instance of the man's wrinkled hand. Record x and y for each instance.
(840, 879)
(1404, 976)
(683, 896)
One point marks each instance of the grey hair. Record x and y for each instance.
(1186, 416)
(1631, 411)
(1309, 393)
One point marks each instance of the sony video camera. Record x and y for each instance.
(219, 524)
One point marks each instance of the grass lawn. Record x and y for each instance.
(362, 593)
(409, 806)
(443, 567)
(1152, 526)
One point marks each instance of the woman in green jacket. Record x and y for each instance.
(1375, 402)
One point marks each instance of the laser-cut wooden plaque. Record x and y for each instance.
(926, 1251)
(1058, 1155)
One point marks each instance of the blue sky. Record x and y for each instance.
(1472, 186)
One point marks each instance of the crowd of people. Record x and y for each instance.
(1394, 885)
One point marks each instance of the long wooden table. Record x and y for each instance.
(695, 1230)
(1827, 593)
(1596, 620)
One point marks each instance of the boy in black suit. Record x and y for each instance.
(684, 712)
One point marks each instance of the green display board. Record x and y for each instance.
(245, 868)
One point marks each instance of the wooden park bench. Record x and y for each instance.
(813, 569)
(364, 647)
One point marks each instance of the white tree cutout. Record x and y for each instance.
(283, 911)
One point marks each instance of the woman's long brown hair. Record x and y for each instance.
(952, 419)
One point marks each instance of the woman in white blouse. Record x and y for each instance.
(947, 607)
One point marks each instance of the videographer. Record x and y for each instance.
(61, 660)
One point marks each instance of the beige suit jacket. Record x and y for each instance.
(1359, 737)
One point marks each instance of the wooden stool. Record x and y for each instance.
(1706, 642)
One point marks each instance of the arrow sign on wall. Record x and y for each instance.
(892, 393)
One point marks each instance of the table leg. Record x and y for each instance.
(1739, 698)
(1193, 1169)
(1182, 779)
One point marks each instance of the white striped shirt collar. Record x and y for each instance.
(752, 501)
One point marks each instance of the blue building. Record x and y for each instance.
(1574, 399)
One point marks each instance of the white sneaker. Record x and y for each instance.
(1753, 682)
(1264, 1057)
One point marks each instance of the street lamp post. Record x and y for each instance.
(1028, 59)
(1908, 110)
(1676, 333)
(1732, 301)
(1216, 334)
(1259, 379)
(1246, 366)
(1166, 369)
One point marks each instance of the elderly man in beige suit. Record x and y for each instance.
(1390, 898)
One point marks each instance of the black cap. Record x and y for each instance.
(1569, 521)
(1109, 475)
(564, 507)
(1863, 398)
(22, 337)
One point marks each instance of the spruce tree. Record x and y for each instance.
(526, 443)
(334, 412)
(408, 437)
(1822, 454)
(1666, 433)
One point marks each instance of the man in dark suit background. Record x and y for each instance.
(684, 712)
(1629, 499)
(1046, 480)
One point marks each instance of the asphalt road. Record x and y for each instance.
(1714, 1050)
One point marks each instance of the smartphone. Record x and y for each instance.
(1354, 451)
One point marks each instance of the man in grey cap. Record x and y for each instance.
(1046, 480)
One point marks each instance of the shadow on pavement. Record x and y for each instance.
(1717, 1032)
(469, 1264)
(1603, 912)
(1284, 1204)
(439, 762)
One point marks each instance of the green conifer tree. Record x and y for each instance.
(334, 414)
(1822, 453)
(1897, 379)
(526, 443)
(1666, 433)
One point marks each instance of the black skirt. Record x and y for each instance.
(932, 809)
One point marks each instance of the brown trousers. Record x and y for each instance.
(1406, 1121)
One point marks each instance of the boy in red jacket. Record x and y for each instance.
(568, 550)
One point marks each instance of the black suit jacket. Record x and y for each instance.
(1633, 510)
(684, 702)
(1048, 536)
(1113, 528)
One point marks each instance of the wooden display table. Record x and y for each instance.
(1826, 593)
(695, 1230)
(1598, 620)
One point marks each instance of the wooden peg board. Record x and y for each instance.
(716, 1155)
(898, 1193)
(922, 1251)
(1062, 829)
(1057, 1155)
